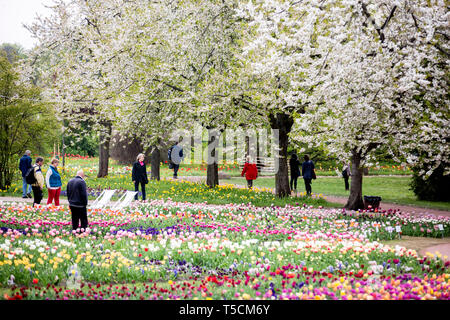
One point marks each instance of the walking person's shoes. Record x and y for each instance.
(24, 197)
(29, 195)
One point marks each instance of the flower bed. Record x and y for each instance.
(163, 249)
(200, 192)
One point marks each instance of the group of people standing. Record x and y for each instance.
(77, 190)
(308, 173)
(33, 179)
(52, 179)
(250, 171)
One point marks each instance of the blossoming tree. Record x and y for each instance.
(140, 66)
(354, 74)
(379, 81)
(73, 42)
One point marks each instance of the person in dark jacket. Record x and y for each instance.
(308, 173)
(251, 172)
(78, 200)
(24, 165)
(346, 173)
(294, 164)
(139, 175)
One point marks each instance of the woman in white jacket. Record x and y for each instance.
(53, 181)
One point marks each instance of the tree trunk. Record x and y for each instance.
(355, 200)
(247, 146)
(155, 164)
(283, 123)
(212, 175)
(6, 171)
(2, 179)
(9, 174)
(212, 171)
(103, 160)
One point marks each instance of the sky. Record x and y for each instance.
(14, 13)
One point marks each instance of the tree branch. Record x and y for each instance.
(169, 85)
(94, 25)
(203, 66)
(441, 50)
(389, 18)
(378, 29)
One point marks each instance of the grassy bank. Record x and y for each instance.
(394, 189)
(390, 189)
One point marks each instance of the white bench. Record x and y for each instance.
(124, 200)
(102, 200)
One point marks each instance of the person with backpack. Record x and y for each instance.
(53, 180)
(139, 175)
(294, 164)
(251, 172)
(24, 166)
(346, 173)
(308, 173)
(175, 156)
(36, 179)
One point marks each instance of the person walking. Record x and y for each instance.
(38, 186)
(346, 173)
(308, 173)
(53, 181)
(78, 200)
(250, 170)
(294, 164)
(175, 155)
(24, 166)
(139, 175)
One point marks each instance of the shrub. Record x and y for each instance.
(434, 188)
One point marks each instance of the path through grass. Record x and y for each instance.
(390, 189)
(417, 243)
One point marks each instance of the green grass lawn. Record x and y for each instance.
(390, 189)
(393, 189)
(119, 178)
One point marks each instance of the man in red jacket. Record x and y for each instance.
(251, 172)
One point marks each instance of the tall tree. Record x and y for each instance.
(132, 60)
(26, 122)
(72, 43)
(13, 52)
(266, 78)
(374, 58)
(347, 71)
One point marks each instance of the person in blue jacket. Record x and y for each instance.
(24, 165)
(308, 173)
(53, 180)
